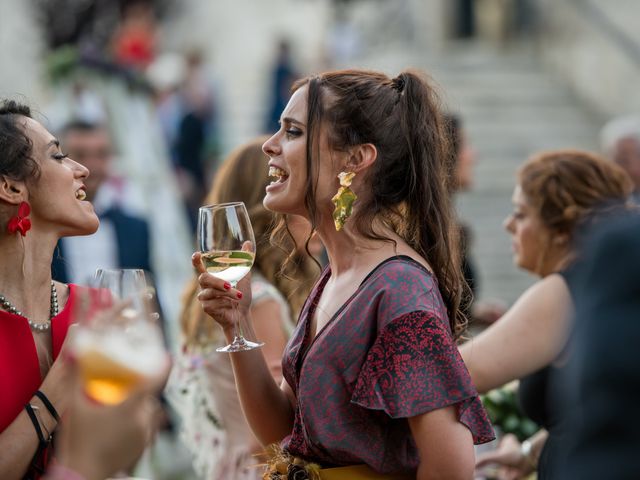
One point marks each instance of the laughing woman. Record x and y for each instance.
(373, 381)
(41, 199)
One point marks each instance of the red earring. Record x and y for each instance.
(20, 223)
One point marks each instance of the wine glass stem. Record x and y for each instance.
(237, 331)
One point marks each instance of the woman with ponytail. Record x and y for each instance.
(373, 381)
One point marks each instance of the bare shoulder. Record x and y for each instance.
(548, 292)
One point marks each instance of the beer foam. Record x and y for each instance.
(137, 347)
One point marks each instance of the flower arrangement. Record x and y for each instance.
(504, 412)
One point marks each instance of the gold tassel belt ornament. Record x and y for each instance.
(281, 465)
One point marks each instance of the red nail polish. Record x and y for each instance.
(227, 285)
(239, 294)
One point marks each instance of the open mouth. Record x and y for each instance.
(81, 194)
(278, 174)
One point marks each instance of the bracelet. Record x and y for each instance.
(526, 450)
(36, 410)
(48, 404)
(36, 425)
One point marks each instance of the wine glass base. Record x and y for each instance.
(240, 344)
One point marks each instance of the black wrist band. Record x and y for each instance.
(48, 404)
(35, 422)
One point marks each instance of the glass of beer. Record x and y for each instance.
(118, 343)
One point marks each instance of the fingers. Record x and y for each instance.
(196, 261)
(488, 458)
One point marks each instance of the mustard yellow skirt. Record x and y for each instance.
(359, 472)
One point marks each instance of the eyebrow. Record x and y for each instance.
(291, 120)
(55, 142)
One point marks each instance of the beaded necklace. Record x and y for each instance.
(36, 327)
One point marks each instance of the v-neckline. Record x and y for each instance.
(307, 341)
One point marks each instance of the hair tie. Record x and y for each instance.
(398, 83)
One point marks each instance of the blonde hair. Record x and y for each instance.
(243, 177)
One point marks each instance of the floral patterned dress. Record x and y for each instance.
(203, 392)
(387, 354)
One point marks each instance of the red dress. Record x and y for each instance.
(19, 367)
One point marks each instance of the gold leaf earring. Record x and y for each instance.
(343, 200)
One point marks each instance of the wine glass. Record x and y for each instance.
(118, 343)
(225, 238)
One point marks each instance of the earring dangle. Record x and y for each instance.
(20, 222)
(343, 200)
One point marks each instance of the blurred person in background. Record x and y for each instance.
(195, 146)
(556, 193)
(202, 387)
(134, 42)
(123, 239)
(600, 385)
(374, 383)
(42, 198)
(461, 180)
(620, 140)
(283, 74)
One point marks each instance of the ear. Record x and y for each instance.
(361, 157)
(560, 239)
(12, 191)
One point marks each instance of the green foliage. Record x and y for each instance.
(503, 409)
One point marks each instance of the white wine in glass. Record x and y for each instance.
(118, 344)
(225, 238)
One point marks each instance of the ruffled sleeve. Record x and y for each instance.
(414, 367)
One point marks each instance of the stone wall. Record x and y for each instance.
(595, 47)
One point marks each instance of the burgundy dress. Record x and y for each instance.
(387, 354)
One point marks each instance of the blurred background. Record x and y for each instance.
(181, 83)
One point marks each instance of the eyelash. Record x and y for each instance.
(292, 132)
(60, 156)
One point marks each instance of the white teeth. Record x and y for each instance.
(277, 173)
(81, 194)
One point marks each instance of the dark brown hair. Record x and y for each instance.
(407, 182)
(569, 187)
(16, 148)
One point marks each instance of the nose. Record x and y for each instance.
(271, 147)
(508, 223)
(80, 170)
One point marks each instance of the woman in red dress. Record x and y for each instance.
(42, 198)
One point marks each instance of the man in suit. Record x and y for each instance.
(601, 386)
(122, 241)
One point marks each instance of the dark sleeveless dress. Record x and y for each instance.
(538, 394)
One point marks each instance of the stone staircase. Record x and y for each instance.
(511, 108)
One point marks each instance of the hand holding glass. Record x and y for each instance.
(118, 344)
(225, 238)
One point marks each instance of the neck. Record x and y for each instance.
(348, 249)
(25, 272)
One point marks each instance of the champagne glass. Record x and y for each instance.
(118, 344)
(225, 238)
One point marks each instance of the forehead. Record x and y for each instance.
(297, 106)
(518, 198)
(38, 134)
